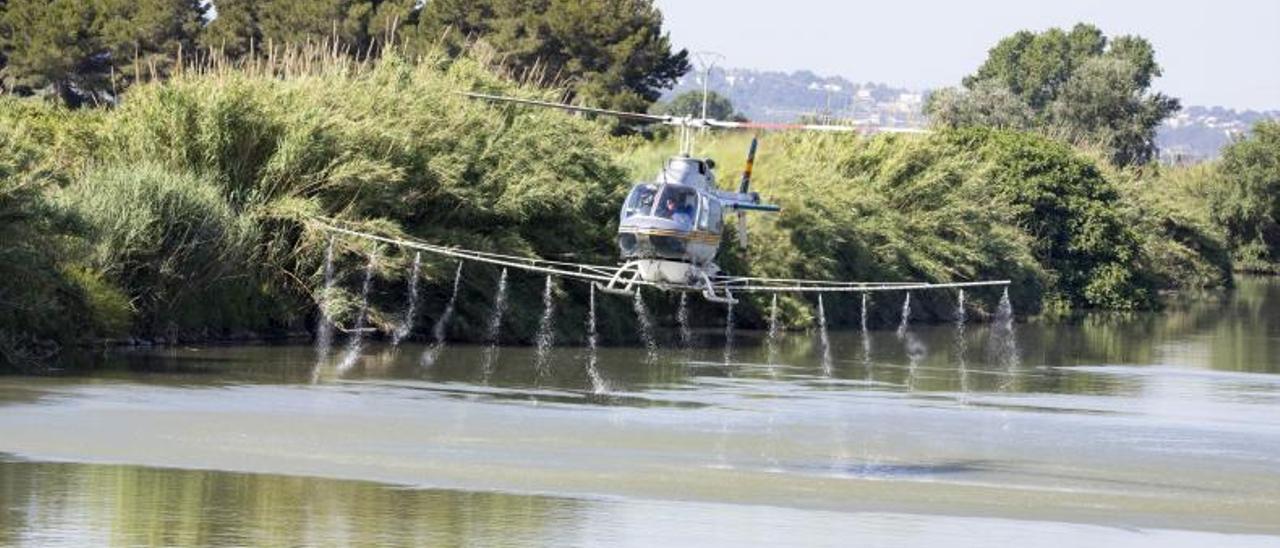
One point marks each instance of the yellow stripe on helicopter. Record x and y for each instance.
(696, 235)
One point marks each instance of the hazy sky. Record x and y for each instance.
(1215, 52)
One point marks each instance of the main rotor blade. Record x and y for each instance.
(571, 108)
(901, 130)
(779, 126)
(687, 121)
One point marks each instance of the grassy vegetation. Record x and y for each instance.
(186, 206)
(183, 212)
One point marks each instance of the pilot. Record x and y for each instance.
(682, 214)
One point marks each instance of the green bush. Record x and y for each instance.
(41, 302)
(1247, 203)
(196, 194)
(1072, 212)
(1170, 211)
(168, 240)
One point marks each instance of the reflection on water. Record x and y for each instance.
(100, 505)
(1157, 421)
(1237, 332)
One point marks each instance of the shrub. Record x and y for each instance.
(169, 240)
(1248, 202)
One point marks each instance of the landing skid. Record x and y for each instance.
(709, 291)
(631, 276)
(623, 282)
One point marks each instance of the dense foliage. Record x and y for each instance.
(690, 103)
(210, 234)
(1247, 199)
(611, 54)
(87, 50)
(1076, 84)
(359, 26)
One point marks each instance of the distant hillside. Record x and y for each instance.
(783, 97)
(1194, 134)
(1198, 133)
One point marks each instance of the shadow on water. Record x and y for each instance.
(874, 470)
(971, 468)
(457, 391)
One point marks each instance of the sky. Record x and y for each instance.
(1214, 53)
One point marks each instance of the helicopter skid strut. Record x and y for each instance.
(628, 279)
(709, 291)
(623, 281)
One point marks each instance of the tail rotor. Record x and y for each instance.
(744, 187)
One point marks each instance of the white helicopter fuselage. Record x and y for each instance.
(670, 229)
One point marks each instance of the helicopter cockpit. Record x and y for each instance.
(670, 221)
(676, 203)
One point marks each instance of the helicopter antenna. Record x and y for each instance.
(706, 61)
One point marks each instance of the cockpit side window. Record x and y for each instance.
(678, 203)
(704, 214)
(640, 201)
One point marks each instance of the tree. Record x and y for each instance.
(80, 50)
(988, 104)
(3, 60)
(302, 21)
(235, 29)
(48, 46)
(359, 26)
(1071, 84)
(689, 103)
(1247, 203)
(1102, 103)
(611, 54)
(140, 37)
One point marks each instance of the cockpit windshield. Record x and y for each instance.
(678, 203)
(674, 202)
(640, 201)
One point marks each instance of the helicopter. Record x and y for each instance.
(670, 228)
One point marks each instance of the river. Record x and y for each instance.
(1117, 430)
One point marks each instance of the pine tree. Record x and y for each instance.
(612, 54)
(359, 26)
(3, 60)
(234, 31)
(89, 50)
(143, 38)
(49, 46)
